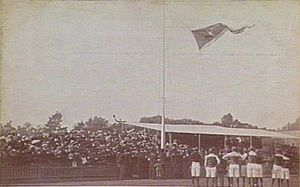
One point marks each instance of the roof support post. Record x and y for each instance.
(170, 138)
(199, 142)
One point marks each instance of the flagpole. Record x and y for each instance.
(163, 126)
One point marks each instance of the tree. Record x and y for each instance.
(152, 119)
(80, 125)
(96, 123)
(292, 126)
(8, 128)
(39, 130)
(157, 119)
(27, 125)
(217, 123)
(236, 123)
(54, 123)
(227, 120)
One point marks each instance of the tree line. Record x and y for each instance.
(55, 124)
(292, 126)
(226, 121)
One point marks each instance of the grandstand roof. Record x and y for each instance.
(213, 130)
(291, 133)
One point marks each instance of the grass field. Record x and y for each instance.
(294, 182)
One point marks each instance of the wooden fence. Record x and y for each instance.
(60, 172)
(105, 172)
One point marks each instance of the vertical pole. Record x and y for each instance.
(225, 140)
(170, 138)
(199, 142)
(163, 126)
(251, 141)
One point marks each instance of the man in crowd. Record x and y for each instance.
(195, 166)
(210, 162)
(234, 169)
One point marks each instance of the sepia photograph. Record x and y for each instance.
(198, 93)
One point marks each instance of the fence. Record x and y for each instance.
(60, 172)
(105, 172)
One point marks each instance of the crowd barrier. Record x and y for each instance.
(59, 172)
(132, 171)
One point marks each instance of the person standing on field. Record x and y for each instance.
(210, 163)
(285, 170)
(234, 169)
(252, 167)
(195, 166)
(259, 168)
(277, 167)
(243, 163)
(221, 168)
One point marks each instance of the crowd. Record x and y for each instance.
(80, 146)
(122, 147)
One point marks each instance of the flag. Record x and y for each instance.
(211, 33)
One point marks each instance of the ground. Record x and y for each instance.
(294, 182)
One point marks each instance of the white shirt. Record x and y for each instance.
(211, 155)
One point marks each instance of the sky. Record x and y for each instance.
(99, 58)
